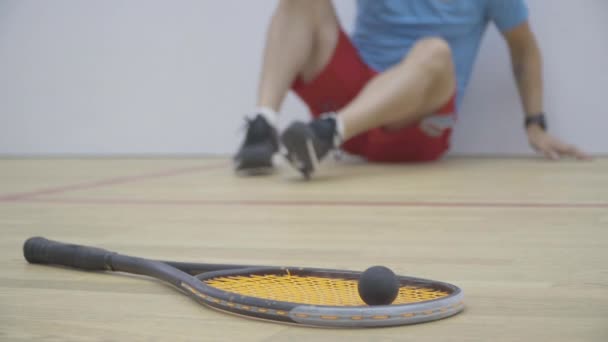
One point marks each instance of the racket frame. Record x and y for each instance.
(190, 278)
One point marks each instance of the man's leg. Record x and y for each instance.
(404, 94)
(419, 85)
(300, 41)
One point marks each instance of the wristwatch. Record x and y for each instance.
(536, 119)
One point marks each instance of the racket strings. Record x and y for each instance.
(312, 290)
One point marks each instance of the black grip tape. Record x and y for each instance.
(38, 250)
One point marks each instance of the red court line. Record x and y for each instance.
(278, 203)
(106, 182)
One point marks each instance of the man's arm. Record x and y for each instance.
(527, 65)
(527, 69)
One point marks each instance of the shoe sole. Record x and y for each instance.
(259, 171)
(254, 167)
(300, 151)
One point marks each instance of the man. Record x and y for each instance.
(390, 92)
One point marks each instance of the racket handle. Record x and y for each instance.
(38, 250)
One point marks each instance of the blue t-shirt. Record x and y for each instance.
(385, 30)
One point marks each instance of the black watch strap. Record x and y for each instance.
(536, 119)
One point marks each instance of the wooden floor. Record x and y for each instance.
(526, 239)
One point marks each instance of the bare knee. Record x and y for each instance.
(320, 19)
(304, 6)
(429, 63)
(320, 13)
(432, 58)
(434, 55)
(293, 7)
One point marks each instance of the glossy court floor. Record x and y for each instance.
(526, 239)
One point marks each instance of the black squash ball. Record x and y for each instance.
(378, 285)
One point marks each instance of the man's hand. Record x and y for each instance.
(552, 147)
(526, 60)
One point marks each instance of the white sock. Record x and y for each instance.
(339, 129)
(269, 114)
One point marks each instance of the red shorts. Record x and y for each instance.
(340, 82)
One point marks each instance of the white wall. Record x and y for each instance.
(177, 76)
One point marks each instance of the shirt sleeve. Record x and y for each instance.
(507, 14)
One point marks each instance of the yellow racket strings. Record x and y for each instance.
(312, 290)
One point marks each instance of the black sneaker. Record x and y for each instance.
(260, 144)
(307, 144)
